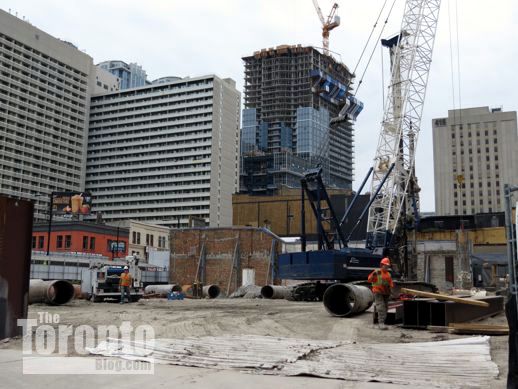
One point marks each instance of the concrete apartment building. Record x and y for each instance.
(290, 95)
(165, 152)
(129, 75)
(475, 154)
(45, 89)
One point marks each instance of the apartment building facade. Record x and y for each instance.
(128, 75)
(290, 95)
(165, 152)
(45, 89)
(475, 154)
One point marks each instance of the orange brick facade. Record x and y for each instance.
(80, 237)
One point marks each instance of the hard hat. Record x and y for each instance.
(385, 261)
(125, 268)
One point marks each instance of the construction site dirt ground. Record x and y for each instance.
(180, 319)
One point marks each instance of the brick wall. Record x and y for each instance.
(254, 246)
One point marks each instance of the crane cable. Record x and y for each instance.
(373, 50)
(455, 41)
(368, 40)
(458, 56)
(320, 157)
(451, 66)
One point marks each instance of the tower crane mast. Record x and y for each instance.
(328, 24)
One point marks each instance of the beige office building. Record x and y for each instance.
(145, 239)
(475, 154)
(45, 89)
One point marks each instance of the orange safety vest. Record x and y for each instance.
(125, 279)
(381, 281)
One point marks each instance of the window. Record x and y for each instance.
(161, 241)
(33, 242)
(41, 240)
(147, 239)
(134, 237)
(138, 237)
(68, 241)
(85, 242)
(151, 240)
(92, 243)
(59, 242)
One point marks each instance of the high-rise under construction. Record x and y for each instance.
(291, 94)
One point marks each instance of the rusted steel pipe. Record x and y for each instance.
(56, 292)
(276, 292)
(78, 293)
(347, 299)
(196, 291)
(162, 289)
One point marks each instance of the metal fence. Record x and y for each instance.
(69, 267)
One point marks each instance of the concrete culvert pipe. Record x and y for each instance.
(162, 289)
(347, 300)
(276, 292)
(56, 292)
(211, 291)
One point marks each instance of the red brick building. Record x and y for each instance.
(224, 253)
(81, 237)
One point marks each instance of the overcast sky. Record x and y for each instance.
(189, 38)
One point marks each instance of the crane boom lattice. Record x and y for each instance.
(411, 56)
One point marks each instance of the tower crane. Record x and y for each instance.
(328, 24)
(393, 184)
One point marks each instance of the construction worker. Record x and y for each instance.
(125, 283)
(381, 286)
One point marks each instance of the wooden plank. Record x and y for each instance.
(478, 329)
(479, 325)
(443, 297)
(438, 329)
